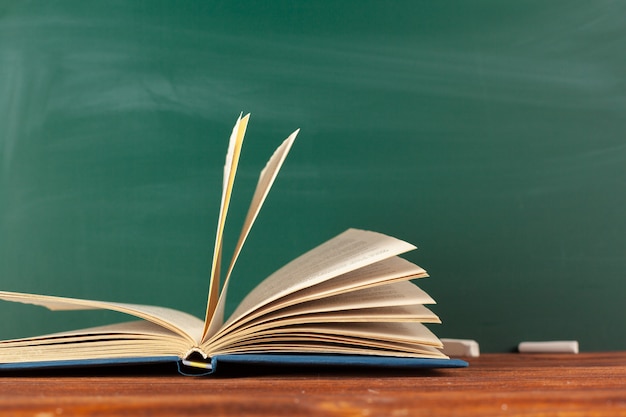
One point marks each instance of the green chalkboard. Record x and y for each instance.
(492, 134)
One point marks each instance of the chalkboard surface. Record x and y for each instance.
(491, 134)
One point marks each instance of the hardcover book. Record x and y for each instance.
(350, 301)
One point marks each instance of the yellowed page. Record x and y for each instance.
(402, 313)
(138, 328)
(130, 339)
(387, 271)
(336, 347)
(392, 294)
(397, 339)
(183, 324)
(385, 332)
(93, 349)
(230, 169)
(351, 250)
(382, 303)
(389, 314)
(265, 182)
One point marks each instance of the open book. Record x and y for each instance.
(349, 301)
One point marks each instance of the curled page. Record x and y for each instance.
(230, 169)
(349, 251)
(264, 184)
(176, 321)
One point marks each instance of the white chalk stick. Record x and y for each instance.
(461, 347)
(553, 346)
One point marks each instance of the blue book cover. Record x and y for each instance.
(252, 361)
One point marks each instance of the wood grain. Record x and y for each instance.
(588, 384)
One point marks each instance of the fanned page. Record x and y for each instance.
(374, 276)
(122, 340)
(230, 169)
(351, 250)
(188, 327)
(378, 338)
(265, 182)
(395, 302)
(349, 295)
(359, 305)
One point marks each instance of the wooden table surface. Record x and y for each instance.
(587, 384)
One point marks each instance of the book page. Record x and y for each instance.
(183, 324)
(397, 339)
(94, 348)
(131, 339)
(120, 331)
(265, 182)
(387, 271)
(392, 295)
(349, 319)
(398, 301)
(389, 314)
(392, 332)
(230, 169)
(396, 293)
(335, 346)
(403, 313)
(351, 250)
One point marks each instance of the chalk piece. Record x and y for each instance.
(554, 346)
(461, 347)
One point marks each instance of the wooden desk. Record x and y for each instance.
(588, 384)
